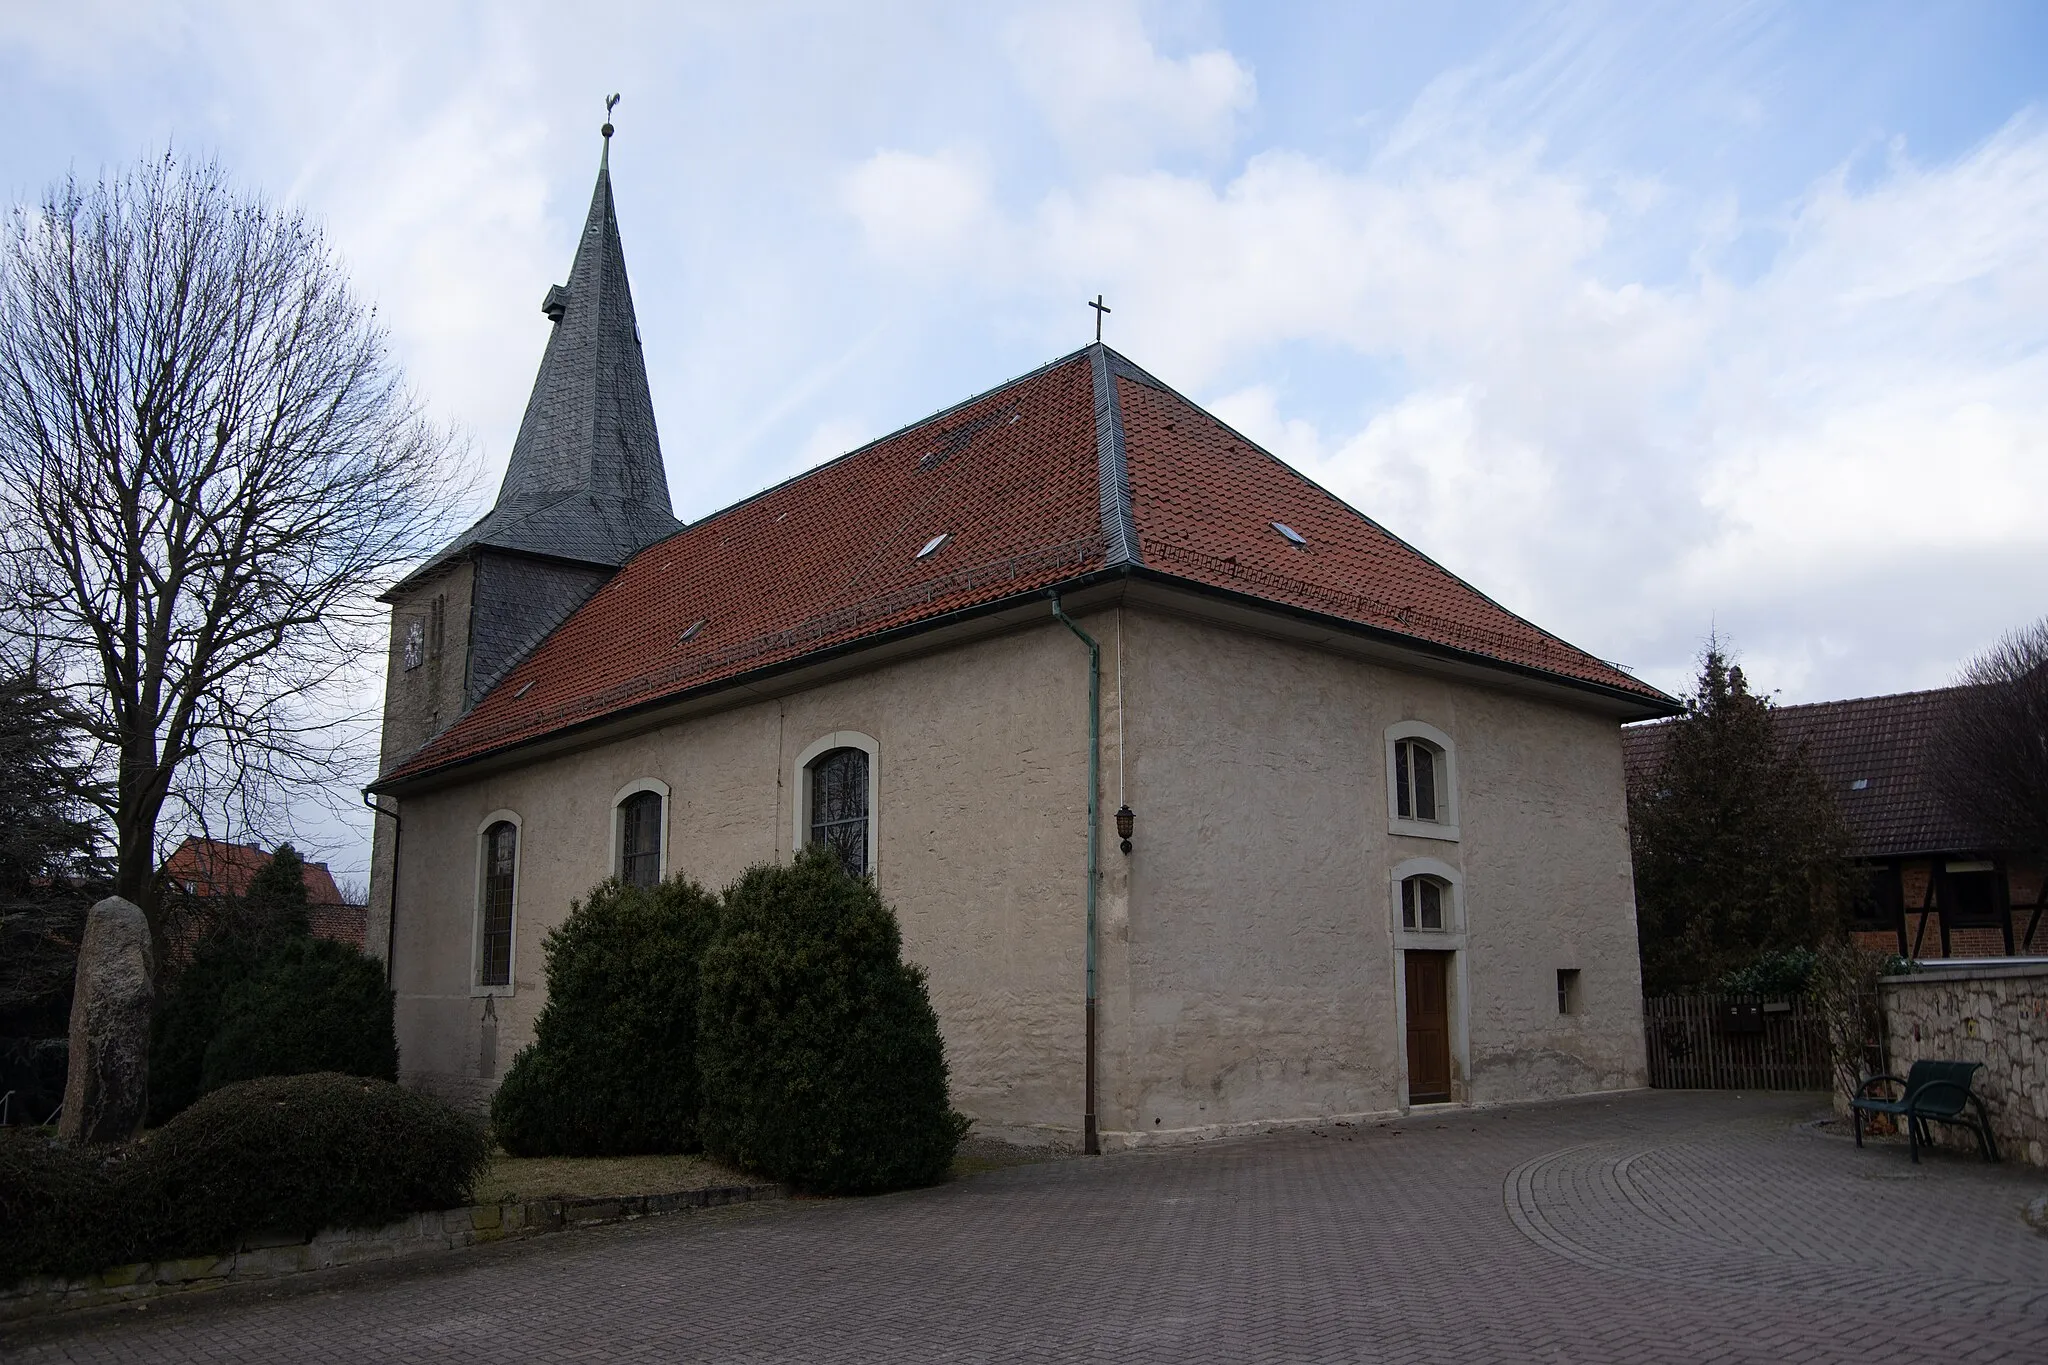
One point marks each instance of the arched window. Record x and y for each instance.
(1425, 904)
(1422, 782)
(640, 839)
(501, 870)
(1416, 764)
(839, 806)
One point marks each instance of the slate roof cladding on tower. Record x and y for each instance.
(585, 481)
(1084, 467)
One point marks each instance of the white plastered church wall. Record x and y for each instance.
(1248, 968)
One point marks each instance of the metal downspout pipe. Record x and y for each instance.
(1091, 1142)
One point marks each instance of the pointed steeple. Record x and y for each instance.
(585, 481)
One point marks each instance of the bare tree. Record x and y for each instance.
(209, 460)
(1991, 758)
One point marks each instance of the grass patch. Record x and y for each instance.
(572, 1177)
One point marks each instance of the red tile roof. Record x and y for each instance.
(1037, 483)
(1881, 742)
(213, 867)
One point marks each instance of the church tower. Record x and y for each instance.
(583, 492)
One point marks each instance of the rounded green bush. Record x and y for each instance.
(69, 1209)
(821, 1057)
(312, 1005)
(612, 1070)
(295, 1154)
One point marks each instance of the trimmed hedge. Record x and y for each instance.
(300, 1153)
(612, 1070)
(69, 1208)
(313, 1005)
(821, 1057)
(291, 1154)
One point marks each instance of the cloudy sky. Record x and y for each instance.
(1648, 320)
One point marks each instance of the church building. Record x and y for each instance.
(1207, 803)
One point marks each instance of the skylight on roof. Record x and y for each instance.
(1859, 784)
(524, 688)
(931, 546)
(1294, 537)
(694, 626)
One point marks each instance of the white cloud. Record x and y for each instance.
(918, 209)
(1111, 97)
(1618, 456)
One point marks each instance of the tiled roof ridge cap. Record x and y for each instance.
(1557, 640)
(1113, 474)
(1915, 695)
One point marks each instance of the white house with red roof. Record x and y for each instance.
(1207, 802)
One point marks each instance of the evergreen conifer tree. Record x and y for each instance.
(1739, 846)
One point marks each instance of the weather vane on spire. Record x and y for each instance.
(1100, 308)
(604, 159)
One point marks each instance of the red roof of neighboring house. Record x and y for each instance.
(1088, 464)
(213, 867)
(1873, 754)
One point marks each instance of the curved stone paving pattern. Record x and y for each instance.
(1797, 1218)
(1648, 1227)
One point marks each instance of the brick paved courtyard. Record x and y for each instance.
(1664, 1226)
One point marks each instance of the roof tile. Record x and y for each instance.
(1022, 479)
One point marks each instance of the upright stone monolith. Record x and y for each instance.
(106, 1091)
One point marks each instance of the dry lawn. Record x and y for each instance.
(545, 1177)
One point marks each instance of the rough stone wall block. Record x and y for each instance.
(106, 1091)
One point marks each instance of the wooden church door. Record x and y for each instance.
(1429, 1027)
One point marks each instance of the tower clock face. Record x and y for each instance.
(415, 643)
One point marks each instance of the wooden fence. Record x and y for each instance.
(1735, 1042)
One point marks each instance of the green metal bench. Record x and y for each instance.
(1931, 1090)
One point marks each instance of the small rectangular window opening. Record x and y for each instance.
(1567, 990)
(931, 546)
(1294, 537)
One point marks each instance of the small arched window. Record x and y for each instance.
(501, 864)
(1417, 764)
(1425, 903)
(640, 839)
(839, 806)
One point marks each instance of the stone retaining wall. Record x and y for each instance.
(1991, 1012)
(262, 1259)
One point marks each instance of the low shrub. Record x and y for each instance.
(70, 1209)
(290, 1154)
(821, 1057)
(612, 1069)
(312, 1005)
(1782, 972)
(296, 1154)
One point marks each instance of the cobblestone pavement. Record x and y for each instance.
(1646, 1227)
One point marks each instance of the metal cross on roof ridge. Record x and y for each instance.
(1100, 308)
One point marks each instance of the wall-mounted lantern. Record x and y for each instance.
(1124, 820)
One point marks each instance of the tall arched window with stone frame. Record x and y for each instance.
(837, 779)
(497, 902)
(640, 832)
(1422, 781)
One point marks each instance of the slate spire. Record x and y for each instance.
(585, 481)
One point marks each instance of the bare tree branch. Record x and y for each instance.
(210, 462)
(1991, 757)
